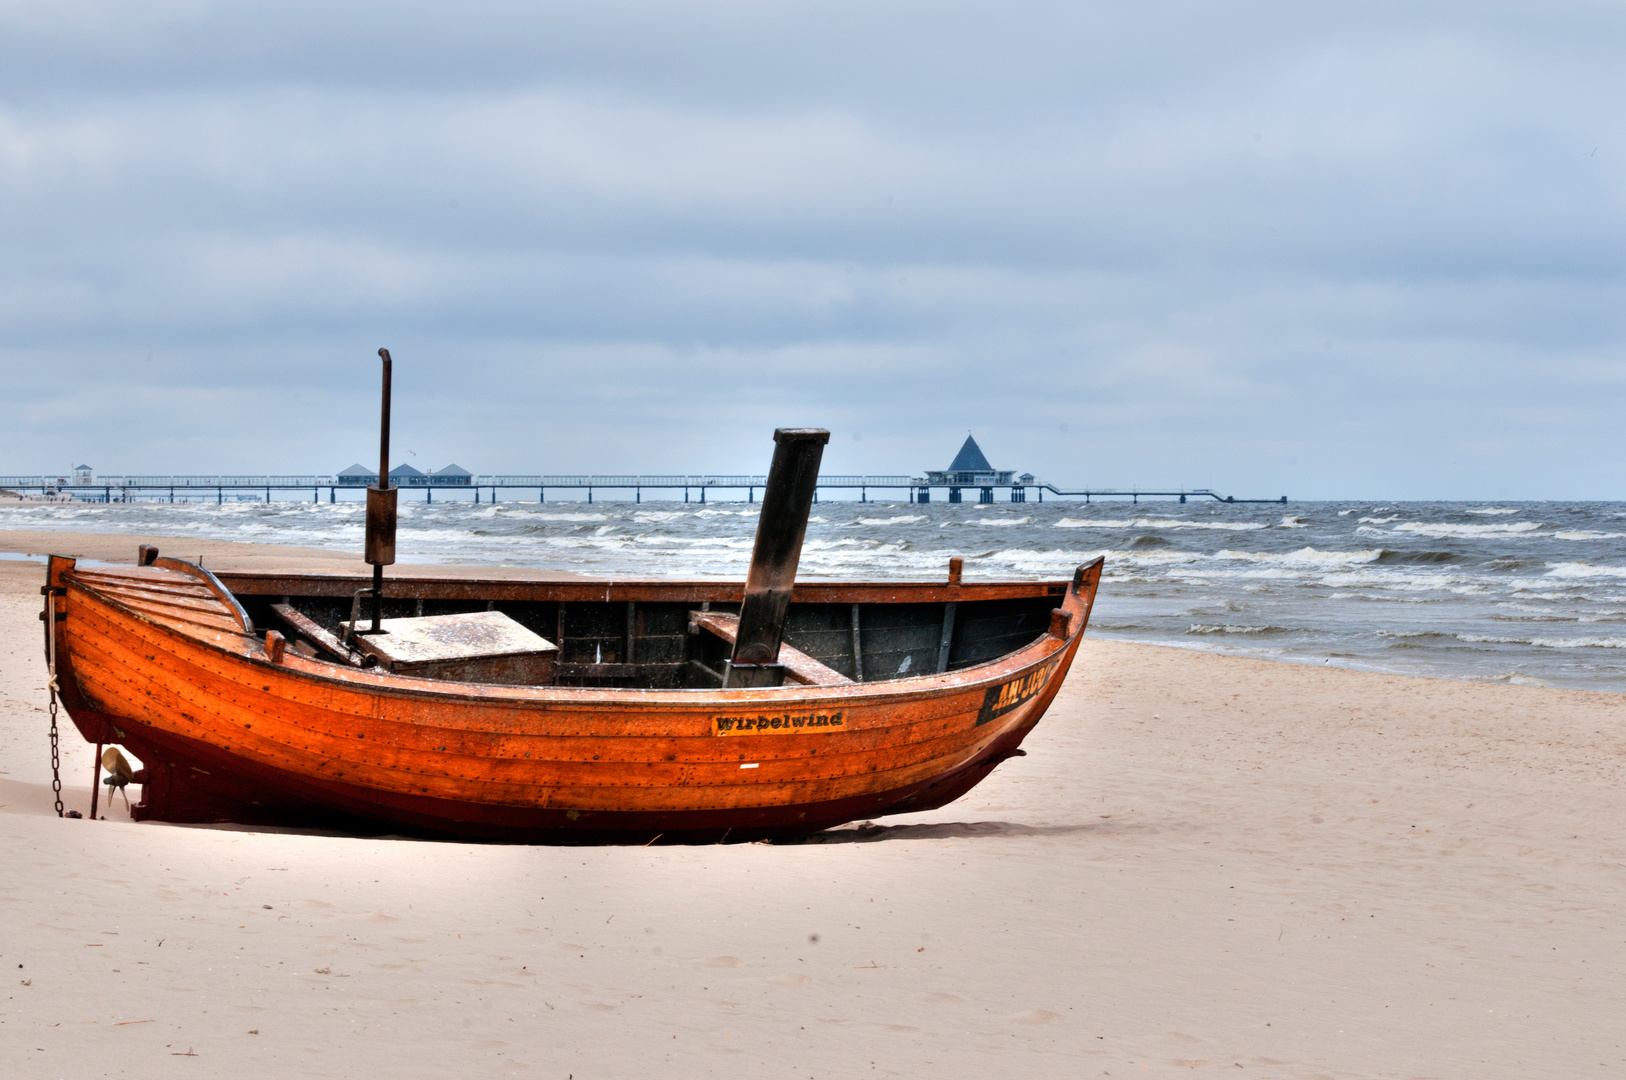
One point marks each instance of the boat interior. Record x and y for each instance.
(649, 635)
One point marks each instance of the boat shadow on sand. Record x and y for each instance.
(35, 799)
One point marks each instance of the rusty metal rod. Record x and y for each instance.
(381, 504)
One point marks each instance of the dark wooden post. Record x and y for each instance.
(381, 499)
(787, 499)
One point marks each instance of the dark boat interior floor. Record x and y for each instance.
(652, 644)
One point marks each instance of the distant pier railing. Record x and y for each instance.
(695, 485)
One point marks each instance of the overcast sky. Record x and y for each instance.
(1359, 250)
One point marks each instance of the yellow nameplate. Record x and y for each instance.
(779, 724)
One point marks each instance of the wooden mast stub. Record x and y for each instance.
(787, 500)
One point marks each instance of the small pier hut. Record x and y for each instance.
(451, 476)
(358, 474)
(407, 476)
(969, 468)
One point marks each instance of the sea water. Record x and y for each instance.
(1517, 592)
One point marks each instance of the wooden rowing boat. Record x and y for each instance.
(239, 697)
(686, 709)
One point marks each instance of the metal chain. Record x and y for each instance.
(50, 654)
(56, 758)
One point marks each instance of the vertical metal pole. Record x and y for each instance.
(381, 503)
(383, 482)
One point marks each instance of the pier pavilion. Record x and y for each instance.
(970, 468)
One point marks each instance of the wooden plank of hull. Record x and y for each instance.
(489, 760)
(340, 586)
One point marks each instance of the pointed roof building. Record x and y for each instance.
(407, 476)
(970, 467)
(970, 458)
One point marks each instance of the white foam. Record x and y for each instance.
(1585, 534)
(1493, 510)
(901, 519)
(1157, 523)
(1001, 521)
(1378, 521)
(1581, 570)
(1306, 556)
(1440, 530)
(1053, 563)
(1292, 521)
(1547, 643)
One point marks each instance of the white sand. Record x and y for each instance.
(1204, 863)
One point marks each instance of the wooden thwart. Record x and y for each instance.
(799, 667)
(312, 632)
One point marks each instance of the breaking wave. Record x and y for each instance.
(1159, 523)
(1546, 642)
(1233, 628)
(1439, 530)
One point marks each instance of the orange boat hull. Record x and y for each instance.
(148, 658)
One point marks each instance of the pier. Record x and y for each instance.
(695, 487)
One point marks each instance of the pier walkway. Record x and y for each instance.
(694, 486)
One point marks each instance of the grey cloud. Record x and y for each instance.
(1204, 237)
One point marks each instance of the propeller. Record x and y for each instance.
(119, 773)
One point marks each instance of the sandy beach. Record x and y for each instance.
(1205, 863)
